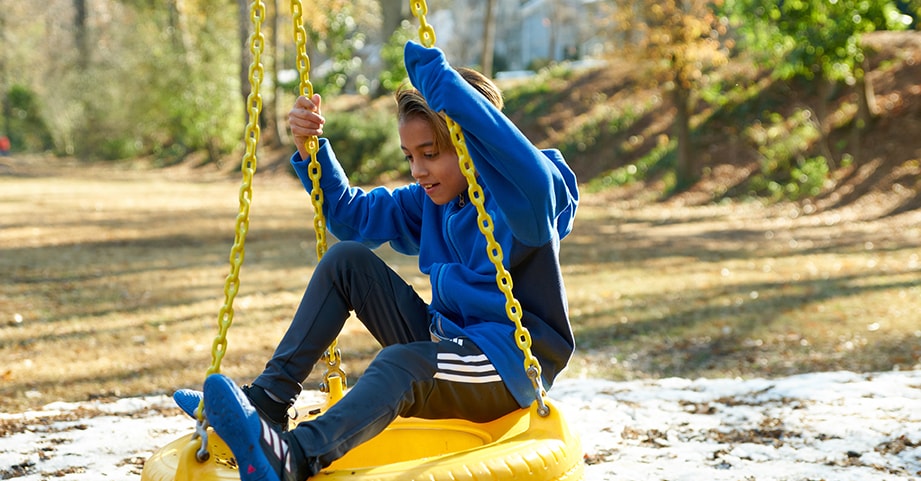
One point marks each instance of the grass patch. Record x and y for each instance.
(739, 290)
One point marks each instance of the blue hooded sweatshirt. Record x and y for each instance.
(532, 197)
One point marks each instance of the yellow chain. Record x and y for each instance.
(237, 252)
(315, 172)
(493, 249)
(313, 144)
(426, 31)
(248, 167)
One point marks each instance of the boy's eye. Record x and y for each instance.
(424, 155)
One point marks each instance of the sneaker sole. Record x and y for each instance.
(236, 422)
(187, 400)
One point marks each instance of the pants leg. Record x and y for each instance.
(349, 277)
(424, 379)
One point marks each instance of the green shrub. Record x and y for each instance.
(394, 73)
(808, 178)
(366, 144)
(27, 128)
(658, 159)
(786, 174)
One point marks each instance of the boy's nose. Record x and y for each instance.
(417, 171)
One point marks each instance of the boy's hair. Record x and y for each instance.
(411, 105)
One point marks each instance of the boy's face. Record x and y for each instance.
(437, 172)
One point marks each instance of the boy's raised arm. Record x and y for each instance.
(531, 189)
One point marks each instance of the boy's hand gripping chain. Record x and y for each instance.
(332, 356)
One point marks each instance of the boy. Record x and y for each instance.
(455, 357)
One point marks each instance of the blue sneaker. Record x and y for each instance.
(262, 454)
(188, 399)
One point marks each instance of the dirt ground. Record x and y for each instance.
(114, 279)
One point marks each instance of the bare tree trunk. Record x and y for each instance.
(685, 170)
(554, 26)
(81, 36)
(177, 20)
(245, 55)
(271, 103)
(5, 109)
(824, 92)
(489, 37)
(866, 110)
(82, 130)
(391, 17)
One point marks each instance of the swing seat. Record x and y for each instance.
(519, 445)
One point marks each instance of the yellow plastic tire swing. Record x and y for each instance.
(532, 443)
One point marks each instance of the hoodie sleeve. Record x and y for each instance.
(371, 217)
(535, 190)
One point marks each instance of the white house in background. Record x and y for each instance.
(553, 30)
(528, 32)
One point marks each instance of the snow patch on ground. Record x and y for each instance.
(838, 426)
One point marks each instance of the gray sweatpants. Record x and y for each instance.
(411, 376)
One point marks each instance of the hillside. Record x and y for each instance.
(606, 118)
(582, 110)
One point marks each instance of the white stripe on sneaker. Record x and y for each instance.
(287, 459)
(271, 438)
(278, 446)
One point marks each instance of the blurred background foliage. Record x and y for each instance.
(107, 80)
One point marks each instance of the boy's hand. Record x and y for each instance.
(305, 121)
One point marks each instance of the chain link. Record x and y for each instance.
(248, 169)
(332, 357)
(426, 31)
(315, 171)
(485, 222)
